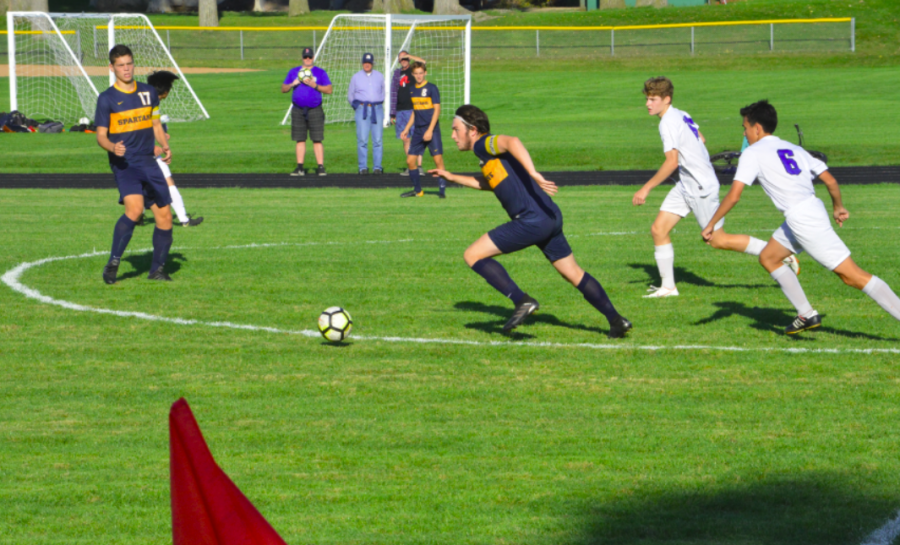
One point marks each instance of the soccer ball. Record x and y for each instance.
(84, 121)
(335, 324)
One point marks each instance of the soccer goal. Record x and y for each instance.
(59, 63)
(445, 42)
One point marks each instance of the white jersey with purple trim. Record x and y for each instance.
(785, 171)
(679, 132)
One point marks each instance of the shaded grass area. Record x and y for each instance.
(380, 442)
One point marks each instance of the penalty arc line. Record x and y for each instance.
(12, 279)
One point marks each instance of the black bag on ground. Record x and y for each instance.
(51, 127)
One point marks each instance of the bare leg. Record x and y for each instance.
(301, 152)
(852, 275)
(319, 151)
(482, 248)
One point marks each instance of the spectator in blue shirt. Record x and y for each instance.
(366, 96)
(307, 115)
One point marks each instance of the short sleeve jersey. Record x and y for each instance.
(304, 96)
(519, 194)
(784, 170)
(424, 99)
(404, 88)
(679, 132)
(129, 118)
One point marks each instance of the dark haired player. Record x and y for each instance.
(127, 121)
(786, 173)
(508, 171)
(426, 130)
(162, 81)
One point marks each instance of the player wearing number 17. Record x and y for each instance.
(786, 173)
(535, 220)
(128, 122)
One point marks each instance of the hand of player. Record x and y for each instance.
(119, 150)
(405, 134)
(440, 173)
(841, 215)
(311, 82)
(296, 82)
(427, 136)
(167, 155)
(707, 233)
(549, 187)
(640, 197)
(157, 151)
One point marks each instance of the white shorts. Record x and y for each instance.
(164, 167)
(807, 227)
(680, 203)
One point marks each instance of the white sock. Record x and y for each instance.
(665, 260)
(882, 294)
(793, 291)
(178, 204)
(755, 247)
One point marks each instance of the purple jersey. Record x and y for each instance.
(303, 95)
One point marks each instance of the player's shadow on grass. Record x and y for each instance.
(539, 317)
(775, 320)
(684, 276)
(142, 262)
(820, 508)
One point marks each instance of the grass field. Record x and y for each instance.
(726, 432)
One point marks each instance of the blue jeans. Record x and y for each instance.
(363, 128)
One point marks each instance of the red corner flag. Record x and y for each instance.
(207, 508)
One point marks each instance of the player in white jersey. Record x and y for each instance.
(697, 190)
(786, 173)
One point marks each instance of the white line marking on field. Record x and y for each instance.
(12, 276)
(886, 534)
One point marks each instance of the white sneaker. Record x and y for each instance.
(792, 262)
(662, 292)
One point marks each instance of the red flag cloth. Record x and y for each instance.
(207, 508)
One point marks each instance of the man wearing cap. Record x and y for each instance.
(401, 101)
(307, 115)
(366, 96)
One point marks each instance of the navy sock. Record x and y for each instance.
(498, 278)
(121, 237)
(414, 178)
(162, 241)
(595, 295)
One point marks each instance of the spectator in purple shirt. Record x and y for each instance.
(366, 96)
(307, 115)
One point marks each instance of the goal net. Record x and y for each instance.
(79, 50)
(444, 42)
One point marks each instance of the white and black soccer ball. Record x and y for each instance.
(304, 74)
(335, 324)
(84, 121)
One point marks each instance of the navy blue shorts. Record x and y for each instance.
(142, 177)
(520, 234)
(417, 145)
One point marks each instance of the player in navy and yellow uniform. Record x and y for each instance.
(128, 125)
(508, 171)
(425, 128)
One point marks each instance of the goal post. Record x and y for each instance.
(443, 41)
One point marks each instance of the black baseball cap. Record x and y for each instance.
(308, 53)
(368, 57)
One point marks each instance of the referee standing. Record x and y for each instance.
(307, 115)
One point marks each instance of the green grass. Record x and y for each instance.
(394, 442)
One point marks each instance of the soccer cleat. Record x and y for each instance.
(404, 172)
(661, 292)
(377, 172)
(412, 194)
(192, 221)
(321, 170)
(442, 195)
(526, 307)
(298, 171)
(792, 262)
(110, 271)
(619, 327)
(363, 171)
(159, 274)
(802, 324)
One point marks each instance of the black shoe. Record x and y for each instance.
(802, 324)
(363, 171)
(110, 271)
(321, 170)
(192, 221)
(412, 194)
(159, 274)
(377, 172)
(619, 327)
(298, 171)
(524, 309)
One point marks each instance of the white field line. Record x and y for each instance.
(886, 534)
(12, 279)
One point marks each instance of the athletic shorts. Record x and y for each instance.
(680, 203)
(164, 168)
(807, 227)
(402, 120)
(313, 123)
(519, 234)
(142, 177)
(417, 145)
